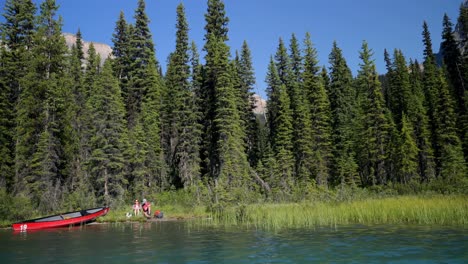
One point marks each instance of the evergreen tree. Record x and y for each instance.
(121, 52)
(182, 144)
(317, 98)
(281, 130)
(408, 153)
(17, 32)
(453, 62)
(342, 103)
(293, 71)
(430, 82)
(246, 76)
(375, 137)
(216, 21)
(419, 119)
(142, 54)
(79, 186)
(156, 170)
(42, 122)
(451, 161)
(108, 131)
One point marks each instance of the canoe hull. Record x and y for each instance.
(62, 220)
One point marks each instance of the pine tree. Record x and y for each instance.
(246, 75)
(280, 127)
(6, 114)
(375, 137)
(430, 82)
(17, 32)
(81, 194)
(408, 153)
(420, 121)
(216, 21)
(108, 131)
(451, 161)
(156, 171)
(182, 148)
(453, 62)
(142, 54)
(342, 103)
(121, 52)
(317, 98)
(293, 67)
(42, 121)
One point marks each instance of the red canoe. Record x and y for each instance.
(61, 220)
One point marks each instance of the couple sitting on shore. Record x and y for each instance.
(145, 207)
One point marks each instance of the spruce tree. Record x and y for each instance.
(121, 52)
(375, 133)
(453, 62)
(451, 161)
(342, 103)
(408, 153)
(430, 82)
(17, 33)
(182, 151)
(319, 104)
(42, 122)
(108, 131)
(293, 68)
(142, 54)
(417, 113)
(281, 130)
(246, 76)
(156, 171)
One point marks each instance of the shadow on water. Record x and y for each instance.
(180, 242)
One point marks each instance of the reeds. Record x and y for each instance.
(438, 210)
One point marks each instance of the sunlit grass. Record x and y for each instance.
(439, 210)
(169, 211)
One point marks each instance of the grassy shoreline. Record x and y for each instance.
(439, 210)
(425, 210)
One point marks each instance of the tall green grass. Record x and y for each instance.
(439, 210)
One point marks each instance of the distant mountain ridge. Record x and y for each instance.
(102, 49)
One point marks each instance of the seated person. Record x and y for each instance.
(136, 208)
(146, 206)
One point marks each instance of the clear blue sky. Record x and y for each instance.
(383, 23)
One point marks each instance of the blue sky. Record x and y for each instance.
(383, 24)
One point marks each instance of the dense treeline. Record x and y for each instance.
(78, 130)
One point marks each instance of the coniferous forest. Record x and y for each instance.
(78, 130)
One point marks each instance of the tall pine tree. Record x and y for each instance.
(342, 103)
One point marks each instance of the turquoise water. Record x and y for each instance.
(181, 242)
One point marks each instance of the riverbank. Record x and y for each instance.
(436, 210)
(424, 210)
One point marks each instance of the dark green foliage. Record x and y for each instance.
(17, 33)
(453, 61)
(408, 153)
(141, 53)
(374, 140)
(246, 77)
(343, 107)
(417, 115)
(75, 133)
(181, 114)
(317, 98)
(41, 115)
(450, 159)
(281, 130)
(108, 133)
(18, 27)
(216, 21)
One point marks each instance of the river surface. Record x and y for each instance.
(182, 242)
